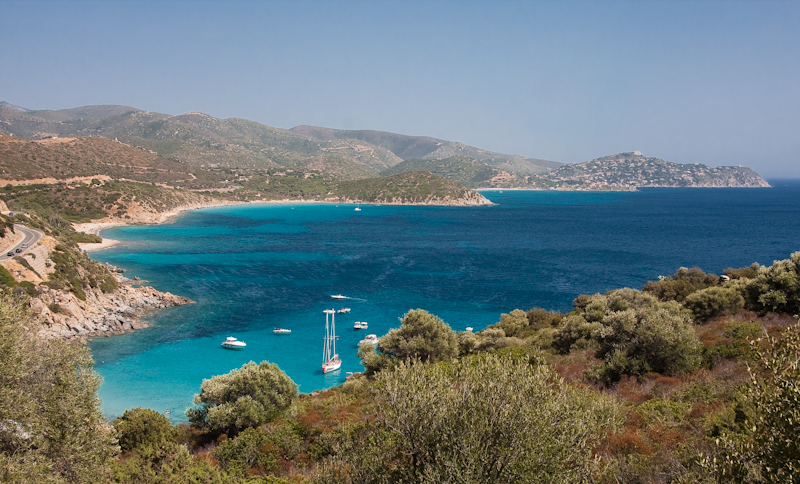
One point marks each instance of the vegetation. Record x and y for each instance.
(250, 396)
(51, 428)
(667, 384)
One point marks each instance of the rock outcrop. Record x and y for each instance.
(65, 316)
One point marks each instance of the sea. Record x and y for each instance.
(252, 268)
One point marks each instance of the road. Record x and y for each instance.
(31, 237)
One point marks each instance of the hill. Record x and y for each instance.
(415, 187)
(635, 170)
(423, 147)
(469, 172)
(200, 139)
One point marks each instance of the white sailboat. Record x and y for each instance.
(330, 359)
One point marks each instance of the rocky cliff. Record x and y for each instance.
(65, 316)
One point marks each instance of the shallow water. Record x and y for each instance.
(252, 268)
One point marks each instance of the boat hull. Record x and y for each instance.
(331, 365)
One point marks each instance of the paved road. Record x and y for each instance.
(31, 237)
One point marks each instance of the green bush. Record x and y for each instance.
(147, 432)
(421, 336)
(6, 279)
(250, 396)
(711, 302)
(776, 288)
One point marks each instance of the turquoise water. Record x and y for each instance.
(252, 268)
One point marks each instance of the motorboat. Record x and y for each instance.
(338, 296)
(364, 325)
(469, 328)
(281, 331)
(343, 310)
(330, 359)
(371, 339)
(233, 343)
(357, 325)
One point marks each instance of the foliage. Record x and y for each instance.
(712, 302)
(421, 336)
(244, 452)
(776, 288)
(743, 272)
(176, 467)
(633, 332)
(513, 323)
(145, 431)
(247, 397)
(768, 451)
(6, 279)
(51, 428)
(475, 420)
(681, 284)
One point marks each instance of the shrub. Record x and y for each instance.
(712, 302)
(776, 288)
(147, 432)
(250, 396)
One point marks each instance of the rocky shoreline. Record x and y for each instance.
(65, 316)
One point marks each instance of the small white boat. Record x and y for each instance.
(343, 310)
(364, 325)
(371, 339)
(233, 343)
(357, 325)
(469, 328)
(281, 331)
(338, 296)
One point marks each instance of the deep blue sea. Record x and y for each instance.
(252, 268)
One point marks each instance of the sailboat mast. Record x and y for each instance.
(333, 331)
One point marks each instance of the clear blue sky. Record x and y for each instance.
(714, 82)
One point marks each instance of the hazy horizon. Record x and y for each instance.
(712, 82)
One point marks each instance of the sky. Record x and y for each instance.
(713, 82)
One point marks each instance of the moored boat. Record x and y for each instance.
(357, 325)
(364, 325)
(343, 310)
(330, 359)
(281, 331)
(233, 343)
(371, 339)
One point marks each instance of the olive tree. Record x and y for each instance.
(51, 427)
(634, 334)
(776, 288)
(711, 302)
(250, 396)
(421, 336)
(769, 450)
(480, 419)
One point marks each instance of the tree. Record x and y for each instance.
(634, 332)
(250, 396)
(51, 427)
(712, 302)
(421, 336)
(776, 288)
(480, 419)
(145, 431)
(769, 450)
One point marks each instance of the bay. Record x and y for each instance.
(252, 268)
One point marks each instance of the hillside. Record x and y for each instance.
(415, 187)
(198, 139)
(469, 172)
(50, 160)
(423, 147)
(635, 170)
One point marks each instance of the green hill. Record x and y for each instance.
(417, 187)
(197, 138)
(470, 173)
(423, 147)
